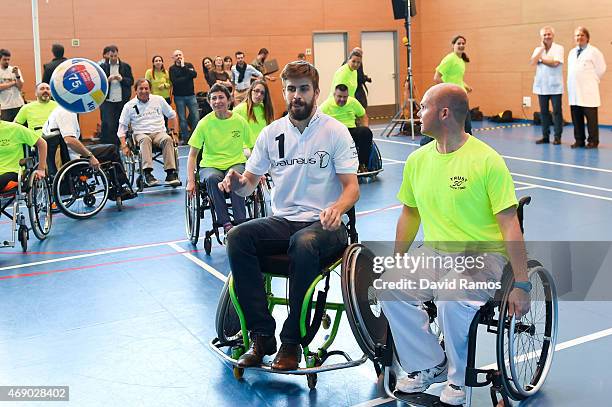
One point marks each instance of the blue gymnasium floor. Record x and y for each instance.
(121, 308)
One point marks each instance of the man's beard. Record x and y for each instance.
(303, 113)
(44, 98)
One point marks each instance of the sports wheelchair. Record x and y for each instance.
(524, 347)
(231, 325)
(79, 191)
(36, 196)
(133, 164)
(374, 166)
(197, 205)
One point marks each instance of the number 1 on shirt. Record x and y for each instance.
(281, 145)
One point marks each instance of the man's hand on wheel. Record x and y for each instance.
(93, 161)
(518, 303)
(233, 181)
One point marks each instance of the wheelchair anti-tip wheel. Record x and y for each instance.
(79, 191)
(227, 322)
(363, 310)
(192, 214)
(525, 347)
(22, 235)
(39, 207)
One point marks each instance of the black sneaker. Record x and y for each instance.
(149, 179)
(127, 193)
(172, 179)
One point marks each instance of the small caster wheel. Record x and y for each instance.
(326, 321)
(238, 372)
(119, 203)
(23, 237)
(312, 380)
(207, 245)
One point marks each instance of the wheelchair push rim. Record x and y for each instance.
(192, 214)
(39, 207)
(363, 310)
(227, 321)
(526, 347)
(87, 189)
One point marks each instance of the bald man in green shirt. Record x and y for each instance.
(35, 114)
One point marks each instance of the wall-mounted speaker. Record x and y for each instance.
(399, 9)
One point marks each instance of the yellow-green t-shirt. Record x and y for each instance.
(223, 141)
(347, 77)
(452, 69)
(161, 78)
(257, 125)
(35, 114)
(458, 194)
(12, 138)
(344, 114)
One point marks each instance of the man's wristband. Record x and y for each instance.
(523, 285)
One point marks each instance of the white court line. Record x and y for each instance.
(582, 167)
(159, 190)
(82, 256)
(524, 188)
(564, 345)
(562, 182)
(213, 271)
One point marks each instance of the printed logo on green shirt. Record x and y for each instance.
(236, 133)
(458, 182)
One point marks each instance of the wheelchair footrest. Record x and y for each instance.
(419, 399)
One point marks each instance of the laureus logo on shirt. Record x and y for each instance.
(458, 182)
(320, 157)
(235, 133)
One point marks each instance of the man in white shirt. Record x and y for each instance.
(548, 83)
(242, 74)
(11, 82)
(145, 113)
(585, 68)
(65, 124)
(313, 163)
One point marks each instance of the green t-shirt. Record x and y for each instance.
(344, 114)
(452, 69)
(161, 78)
(223, 140)
(12, 138)
(256, 126)
(458, 194)
(347, 77)
(35, 114)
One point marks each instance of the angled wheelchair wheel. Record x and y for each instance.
(39, 207)
(192, 215)
(79, 191)
(525, 347)
(129, 163)
(363, 310)
(227, 321)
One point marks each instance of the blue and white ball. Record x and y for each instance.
(79, 85)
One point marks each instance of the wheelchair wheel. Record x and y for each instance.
(80, 191)
(207, 245)
(312, 380)
(525, 347)
(363, 310)
(129, 163)
(22, 235)
(227, 321)
(375, 162)
(192, 214)
(39, 207)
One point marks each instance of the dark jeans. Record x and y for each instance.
(110, 152)
(109, 114)
(191, 103)
(363, 141)
(306, 243)
(557, 115)
(578, 115)
(213, 176)
(8, 115)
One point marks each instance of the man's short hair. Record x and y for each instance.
(355, 53)
(57, 50)
(455, 99)
(106, 50)
(342, 87)
(112, 48)
(217, 87)
(301, 55)
(5, 53)
(141, 80)
(238, 53)
(263, 51)
(585, 32)
(301, 69)
(547, 27)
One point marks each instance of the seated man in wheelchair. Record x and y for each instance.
(313, 163)
(12, 138)
(346, 109)
(65, 124)
(224, 136)
(145, 114)
(462, 192)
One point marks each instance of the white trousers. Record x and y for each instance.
(417, 347)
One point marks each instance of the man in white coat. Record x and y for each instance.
(548, 83)
(585, 68)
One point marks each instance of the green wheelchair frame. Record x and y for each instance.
(314, 359)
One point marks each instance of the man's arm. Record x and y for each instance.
(18, 79)
(41, 147)
(128, 78)
(515, 246)
(331, 217)
(437, 77)
(8, 84)
(406, 229)
(242, 184)
(78, 147)
(364, 121)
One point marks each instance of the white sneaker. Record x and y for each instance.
(453, 395)
(418, 382)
